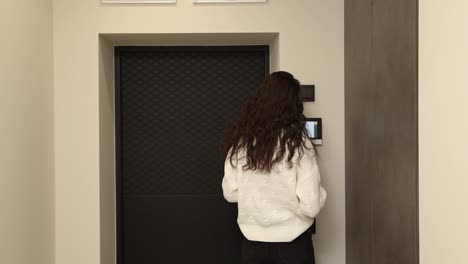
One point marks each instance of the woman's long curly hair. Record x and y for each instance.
(274, 114)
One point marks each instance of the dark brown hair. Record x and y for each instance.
(274, 114)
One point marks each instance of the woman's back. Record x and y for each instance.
(277, 206)
(271, 171)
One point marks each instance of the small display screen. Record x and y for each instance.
(313, 129)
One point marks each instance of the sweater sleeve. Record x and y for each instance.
(229, 184)
(309, 190)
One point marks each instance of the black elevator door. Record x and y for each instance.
(172, 105)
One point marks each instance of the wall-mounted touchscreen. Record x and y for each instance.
(314, 129)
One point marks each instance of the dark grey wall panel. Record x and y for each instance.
(381, 131)
(394, 73)
(358, 188)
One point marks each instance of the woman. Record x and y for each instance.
(271, 172)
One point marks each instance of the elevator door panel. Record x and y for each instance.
(172, 105)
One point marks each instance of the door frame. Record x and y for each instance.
(118, 114)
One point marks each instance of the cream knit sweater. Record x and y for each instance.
(276, 206)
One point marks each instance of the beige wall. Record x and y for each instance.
(26, 125)
(310, 45)
(443, 131)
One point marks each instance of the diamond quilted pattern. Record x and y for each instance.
(174, 108)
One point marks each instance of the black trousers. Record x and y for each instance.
(298, 251)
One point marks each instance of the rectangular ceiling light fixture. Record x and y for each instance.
(138, 1)
(229, 1)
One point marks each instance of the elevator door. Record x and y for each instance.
(172, 105)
